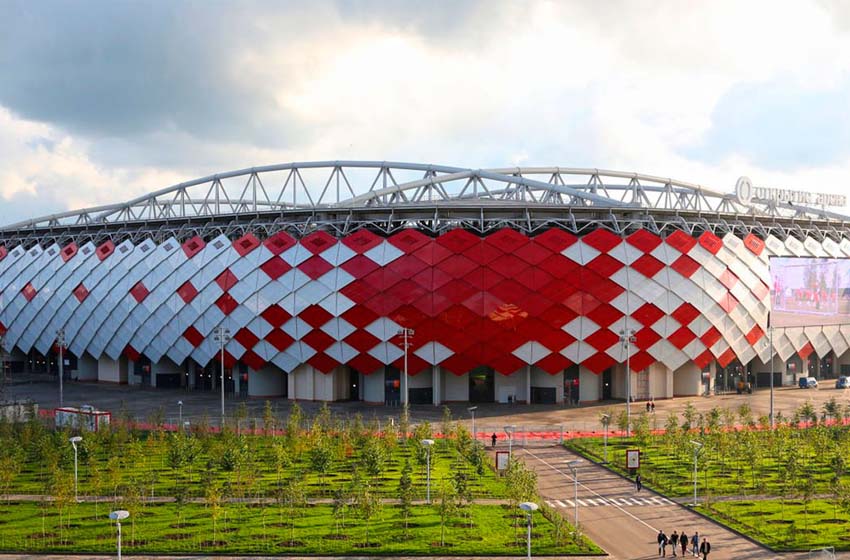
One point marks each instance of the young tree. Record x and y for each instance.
(340, 506)
(404, 423)
(269, 419)
(214, 503)
(373, 456)
(446, 506)
(296, 500)
(320, 456)
(241, 415)
(367, 504)
(690, 415)
(405, 495)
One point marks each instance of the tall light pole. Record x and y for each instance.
(573, 465)
(529, 508)
(74, 441)
(697, 448)
(770, 331)
(472, 410)
(510, 431)
(222, 335)
(428, 443)
(627, 337)
(117, 516)
(406, 335)
(606, 418)
(60, 341)
(180, 424)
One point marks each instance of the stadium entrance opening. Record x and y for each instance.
(353, 384)
(606, 385)
(392, 386)
(482, 385)
(571, 385)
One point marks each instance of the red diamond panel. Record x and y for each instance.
(68, 252)
(506, 364)
(754, 335)
(537, 279)
(275, 267)
(432, 253)
(132, 354)
(644, 240)
(709, 337)
(559, 266)
(505, 315)
(648, 265)
(754, 244)
(558, 316)
(3, 252)
(483, 253)
(276, 316)
(359, 266)
(640, 361)
(139, 292)
(602, 339)
(685, 265)
(682, 337)
(409, 240)
(457, 317)
(252, 360)
(359, 291)
(728, 302)
(604, 265)
(187, 291)
(3, 329)
(558, 291)
(726, 357)
(506, 240)
(458, 364)
(361, 241)
(382, 279)
(455, 340)
(365, 364)
(245, 245)
(457, 266)
(535, 303)
(647, 314)
(80, 292)
(359, 316)
(318, 241)
(604, 314)
(554, 363)
(362, 341)
(415, 364)
(510, 292)
(458, 240)
(681, 241)
(803, 352)
(645, 338)
(728, 279)
(602, 240)
(408, 316)
(604, 289)
(483, 278)
(407, 292)
(246, 338)
(685, 313)
(315, 316)
(279, 242)
(407, 266)
(318, 339)
(710, 243)
(556, 240)
(322, 362)
(533, 253)
(226, 303)
(555, 339)
(760, 290)
(383, 304)
(229, 359)
(315, 267)
(193, 246)
(703, 359)
(106, 249)
(599, 362)
(194, 337)
(225, 280)
(432, 279)
(279, 339)
(508, 266)
(582, 303)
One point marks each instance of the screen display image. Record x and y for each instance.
(809, 291)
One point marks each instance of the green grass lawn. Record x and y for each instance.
(479, 530)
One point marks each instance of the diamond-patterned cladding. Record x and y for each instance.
(139, 292)
(226, 303)
(315, 316)
(226, 280)
(81, 293)
(647, 265)
(318, 241)
(276, 316)
(279, 242)
(187, 291)
(275, 267)
(315, 267)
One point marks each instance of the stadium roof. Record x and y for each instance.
(343, 195)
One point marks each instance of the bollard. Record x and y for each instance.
(562, 434)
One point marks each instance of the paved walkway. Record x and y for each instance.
(623, 522)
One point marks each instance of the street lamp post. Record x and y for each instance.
(510, 431)
(406, 335)
(529, 508)
(222, 336)
(428, 443)
(697, 448)
(573, 465)
(117, 516)
(180, 423)
(472, 410)
(770, 329)
(60, 341)
(74, 441)
(627, 337)
(606, 418)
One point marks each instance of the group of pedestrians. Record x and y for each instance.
(677, 540)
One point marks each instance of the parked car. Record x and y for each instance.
(808, 383)
(842, 382)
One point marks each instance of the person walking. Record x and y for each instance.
(662, 544)
(705, 548)
(695, 544)
(683, 541)
(674, 541)
(493, 440)
(638, 482)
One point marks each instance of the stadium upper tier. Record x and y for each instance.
(342, 195)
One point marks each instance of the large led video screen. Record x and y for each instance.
(809, 291)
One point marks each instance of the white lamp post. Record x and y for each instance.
(770, 330)
(627, 337)
(606, 419)
(60, 341)
(510, 431)
(529, 508)
(573, 465)
(222, 336)
(180, 423)
(428, 443)
(117, 516)
(406, 335)
(472, 410)
(697, 448)
(74, 441)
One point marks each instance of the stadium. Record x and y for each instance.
(379, 281)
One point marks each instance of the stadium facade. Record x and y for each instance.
(519, 284)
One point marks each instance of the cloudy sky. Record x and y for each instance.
(103, 101)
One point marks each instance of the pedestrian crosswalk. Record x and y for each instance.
(619, 502)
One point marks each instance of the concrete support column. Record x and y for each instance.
(528, 384)
(436, 384)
